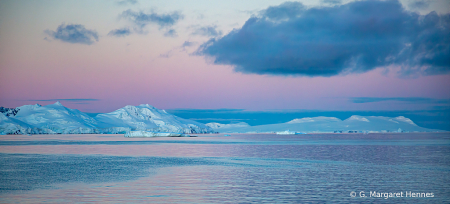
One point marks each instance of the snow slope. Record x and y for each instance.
(55, 118)
(149, 118)
(11, 126)
(331, 124)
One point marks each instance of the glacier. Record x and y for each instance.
(57, 119)
(148, 118)
(321, 124)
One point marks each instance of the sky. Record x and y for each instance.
(255, 55)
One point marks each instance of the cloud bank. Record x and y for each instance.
(74, 33)
(291, 39)
(400, 99)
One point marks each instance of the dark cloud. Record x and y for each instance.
(120, 32)
(286, 10)
(401, 99)
(324, 41)
(171, 33)
(142, 19)
(210, 31)
(127, 2)
(332, 1)
(74, 33)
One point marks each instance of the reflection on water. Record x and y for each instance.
(213, 169)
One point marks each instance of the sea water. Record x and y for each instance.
(241, 168)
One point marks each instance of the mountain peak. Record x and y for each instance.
(357, 117)
(58, 103)
(406, 120)
(149, 118)
(146, 105)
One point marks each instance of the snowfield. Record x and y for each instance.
(57, 119)
(354, 124)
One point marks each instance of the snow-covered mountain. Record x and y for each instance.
(51, 119)
(11, 126)
(331, 124)
(146, 117)
(55, 118)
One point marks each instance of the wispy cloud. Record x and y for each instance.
(142, 19)
(167, 54)
(67, 99)
(171, 33)
(74, 33)
(222, 110)
(127, 2)
(122, 32)
(291, 39)
(401, 99)
(172, 51)
(187, 44)
(210, 31)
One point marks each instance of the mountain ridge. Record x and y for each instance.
(58, 119)
(322, 124)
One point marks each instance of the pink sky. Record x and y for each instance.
(130, 70)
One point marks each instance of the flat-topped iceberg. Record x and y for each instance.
(288, 132)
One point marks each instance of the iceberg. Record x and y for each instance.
(287, 132)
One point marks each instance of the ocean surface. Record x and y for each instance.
(241, 168)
